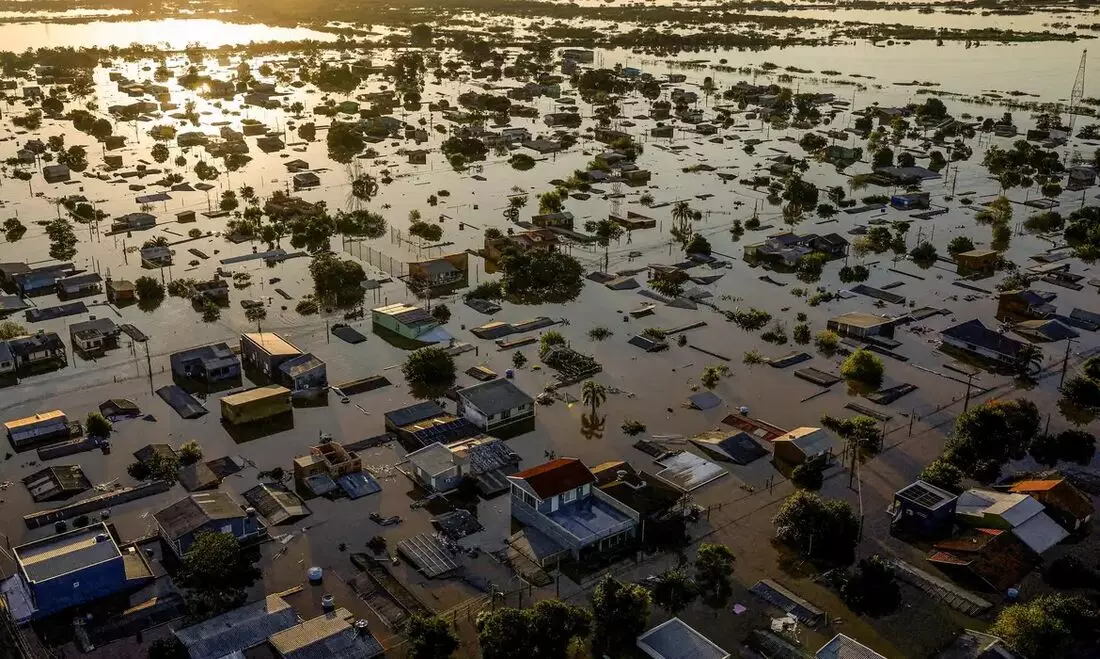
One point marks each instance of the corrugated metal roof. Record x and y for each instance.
(237, 630)
(68, 552)
(258, 393)
(44, 417)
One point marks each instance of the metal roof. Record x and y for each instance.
(237, 630)
(494, 397)
(55, 416)
(925, 494)
(414, 413)
(845, 647)
(675, 639)
(65, 553)
(271, 343)
(193, 512)
(257, 393)
(406, 314)
(329, 636)
(301, 365)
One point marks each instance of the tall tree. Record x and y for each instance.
(620, 612)
(714, 574)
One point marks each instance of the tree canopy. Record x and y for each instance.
(429, 371)
(544, 631)
(620, 612)
(541, 277)
(989, 435)
(819, 528)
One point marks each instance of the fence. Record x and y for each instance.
(393, 267)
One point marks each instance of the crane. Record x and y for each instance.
(1078, 92)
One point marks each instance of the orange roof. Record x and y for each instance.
(1036, 485)
(556, 476)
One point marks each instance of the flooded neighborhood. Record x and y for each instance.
(545, 329)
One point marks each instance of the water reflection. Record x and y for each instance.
(172, 33)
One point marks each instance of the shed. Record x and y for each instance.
(276, 504)
(303, 373)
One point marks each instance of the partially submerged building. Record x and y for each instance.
(265, 352)
(559, 499)
(71, 569)
(924, 510)
(1019, 513)
(207, 364)
(860, 325)
(256, 404)
(208, 512)
(497, 407)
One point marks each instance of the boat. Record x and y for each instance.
(643, 310)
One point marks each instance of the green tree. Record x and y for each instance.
(714, 574)
(819, 528)
(698, 245)
(1047, 625)
(860, 431)
(542, 632)
(827, 341)
(605, 231)
(336, 281)
(943, 474)
(549, 339)
(189, 453)
(518, 359)
(10, 329)
(863, 367)
(429, 371)
(214, 575)
(620, 612)
(989, 435)
(959, 244)
(541, 277)
(429, 637)
(97, 425)
(871, 588)
(593, 394)
(712, 375)
(674, 591)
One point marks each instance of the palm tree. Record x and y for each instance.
(682, 214)
(593, 394)
(1027, 357)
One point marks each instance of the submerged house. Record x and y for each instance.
(560, 500)
(1064, 503)
(38, 350)
(180, 523)
(1024, 304)
(496, 407)
(71, 569)
(924, 510)
(208, 364)
(976, 339)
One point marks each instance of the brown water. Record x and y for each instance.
(653, 386)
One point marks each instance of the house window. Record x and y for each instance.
(569, 496)
(505, 414)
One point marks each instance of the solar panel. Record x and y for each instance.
(920, 494)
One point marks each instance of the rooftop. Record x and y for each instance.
(433, 459)
(495, 396)
(590, 519)
(256, 393)
(554, 477)
(675, 639)
(1013, 508)
(61, 554)
(406, 314)
(925, 494)
(194, 512)
(54, 415)
(330, 636)
(845, 647)
(271, 343)
(237, 630)
(861, 319)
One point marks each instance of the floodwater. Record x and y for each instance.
(174, 33)
(651, 387)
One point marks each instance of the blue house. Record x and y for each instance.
(71, 569)
(209, 364)
(560, 500)
(207, 512)
(923, 510)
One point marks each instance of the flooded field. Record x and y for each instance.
(222, 121)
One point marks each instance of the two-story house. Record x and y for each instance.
(561, 501)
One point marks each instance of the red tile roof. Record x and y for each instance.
(556, 476)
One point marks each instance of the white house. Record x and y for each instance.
(495, 406)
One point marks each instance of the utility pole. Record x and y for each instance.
(966, 402)
(1065, 363)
